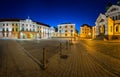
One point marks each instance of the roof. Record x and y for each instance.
(86, 25)
(42, 24)
(56, 29)
(66, 23)
(18, 19)
(10, 19)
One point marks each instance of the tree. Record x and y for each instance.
(118, 2)
(108, 6)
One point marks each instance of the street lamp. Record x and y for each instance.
(89, 34)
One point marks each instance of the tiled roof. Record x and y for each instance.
(86, 25)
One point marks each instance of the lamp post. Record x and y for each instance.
(89, 34)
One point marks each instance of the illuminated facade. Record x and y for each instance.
(24, 29)
(85, 31)
(66, 31)
(108, 24)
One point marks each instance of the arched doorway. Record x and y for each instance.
(29, 36)
(102, 30)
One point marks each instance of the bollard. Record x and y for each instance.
(44, 58)
(66, 44)
(60, 49)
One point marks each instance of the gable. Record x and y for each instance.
(101, 18)
(113, 8)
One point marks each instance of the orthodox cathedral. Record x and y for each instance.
(107, 25)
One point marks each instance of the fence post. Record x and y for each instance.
(44, 58)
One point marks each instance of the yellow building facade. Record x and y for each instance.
(85, 31)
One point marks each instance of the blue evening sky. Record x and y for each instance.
(54, 12)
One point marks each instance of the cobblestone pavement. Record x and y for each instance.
(85, 59)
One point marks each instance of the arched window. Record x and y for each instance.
(117, 28)
(111, 29)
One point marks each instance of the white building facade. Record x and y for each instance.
(24, 29)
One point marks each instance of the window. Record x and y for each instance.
(22, 25)
(113, 18)
(12, 24)
(7, 34)
(33, 29)
(39, 31)
(65, 26)
(65, 34)
(6, 24)
(65, 30)
(116, 18)
(111, 28)
(71, 30)
(60, 31)
(26, 24)
(7, 29)
(26, 29)
(71, 26)
(16, 29)
(3, 30)
(119, 17)
(12, 29)
(22, 29)
(3, 24)
(117, 28)
(60, 27)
